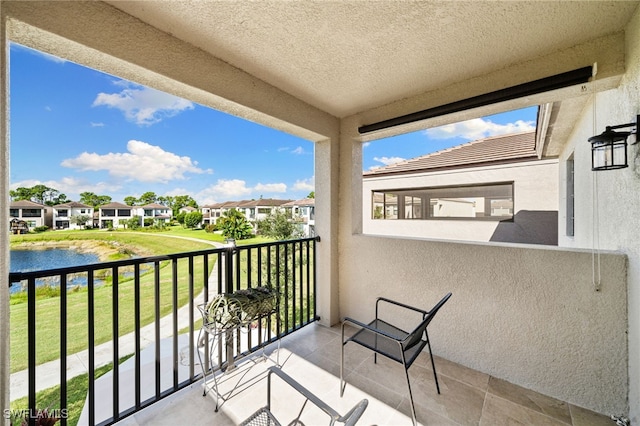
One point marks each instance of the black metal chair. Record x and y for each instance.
(388, 340)
(264, 417)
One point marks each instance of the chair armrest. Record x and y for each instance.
(368, 327)
(402, 305)
(304, 391)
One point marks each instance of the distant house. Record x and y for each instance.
(114, 215)
(153, 213)
(303, 213)
(492, 189)
(63, 215)
(187, 209)
(34, 214)
(253, 210)
(18, 226)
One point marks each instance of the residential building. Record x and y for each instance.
(253, 210)
(63, 215)
(467, 192)
(34, 214)
(115, 215)
(561, 320)
(303, 213)
(153, 213)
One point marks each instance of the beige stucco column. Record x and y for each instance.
(4, 218)
(327, 214)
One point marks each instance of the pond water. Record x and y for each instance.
(37, 260)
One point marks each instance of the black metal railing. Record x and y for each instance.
(154, 299)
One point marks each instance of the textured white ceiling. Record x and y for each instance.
(349, 56)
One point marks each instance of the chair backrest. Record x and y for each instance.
(416, 335)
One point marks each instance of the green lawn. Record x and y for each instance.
(48, 309)
(76, 395)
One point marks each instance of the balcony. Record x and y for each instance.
(162, 382)
(311, 356)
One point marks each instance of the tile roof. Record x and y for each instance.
(300, 203)
(493, 150)
(26, 203)
(72, 204)
(116, 205)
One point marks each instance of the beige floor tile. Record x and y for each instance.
(584, 417)
(458, 372)
(530, 399)
(457, 401)
(498, 411)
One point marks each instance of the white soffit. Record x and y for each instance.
(346, 57)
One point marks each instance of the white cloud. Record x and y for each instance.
(305, 184)
(235, 189)
(48, 108)
(478, 129)
(388, 160)
(230, 188)
(299, 150)
(70, 186)
(97, 124)
(270, 187)
(142, 105)
(143, 162)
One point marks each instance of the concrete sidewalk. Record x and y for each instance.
(48, 374)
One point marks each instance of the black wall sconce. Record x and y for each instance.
(609, 149)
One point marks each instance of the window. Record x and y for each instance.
(474, 202)
(31, 212)
(63, 212)
(124, 212)
(570, 198)
(14, 212)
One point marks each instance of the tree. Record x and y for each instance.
(130, 200)
(312, 194)
(180, 217)
(80, 219)
(147, 198)
(133, 223)
(279, 225)
(60, 199)
(40, 194)
(93, 200)
(180, 201)
(192, 220)
(20, 194)
(235, 225)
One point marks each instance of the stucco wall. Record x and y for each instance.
(528, 315)
(612, 195)
(535, 190)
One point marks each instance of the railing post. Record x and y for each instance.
(229, 253)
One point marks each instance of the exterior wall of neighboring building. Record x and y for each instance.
(62, 216)
(535, 204)
(116, 214)
(606, 203)
(33, 214)
(155, 212)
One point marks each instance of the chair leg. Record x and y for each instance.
(433, 364)
(413, 408)
(342, 386)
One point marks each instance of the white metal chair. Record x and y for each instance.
(264, 416)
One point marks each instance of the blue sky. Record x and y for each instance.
(76, 129)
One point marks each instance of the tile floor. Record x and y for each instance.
(312, 357)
